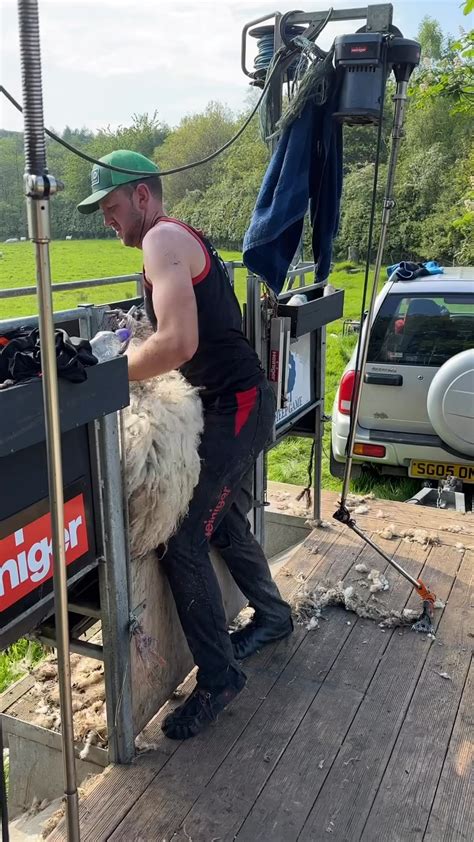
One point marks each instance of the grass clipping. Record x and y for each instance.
(358, 597)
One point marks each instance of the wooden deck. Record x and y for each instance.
(347, 732)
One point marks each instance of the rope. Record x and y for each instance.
(311, 73)
(315, 86)
(307, 491)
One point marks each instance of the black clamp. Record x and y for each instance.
(344, 516)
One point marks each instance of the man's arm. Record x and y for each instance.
(168, 267)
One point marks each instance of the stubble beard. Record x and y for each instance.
(133, 236)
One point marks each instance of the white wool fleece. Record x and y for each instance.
(163, 425)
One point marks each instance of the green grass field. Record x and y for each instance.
(83, 259)
(78, 260)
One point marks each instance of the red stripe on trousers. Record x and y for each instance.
(245, 404)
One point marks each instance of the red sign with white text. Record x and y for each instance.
(26, 556)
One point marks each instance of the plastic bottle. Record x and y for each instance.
(298, 299)
(107, 344)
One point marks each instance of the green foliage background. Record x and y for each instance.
(433, 217)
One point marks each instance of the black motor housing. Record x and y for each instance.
(363, 69)
(403, 57)
(359, 59)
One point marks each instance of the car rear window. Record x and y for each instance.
(422, 329)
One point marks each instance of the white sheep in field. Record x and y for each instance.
(162, 426)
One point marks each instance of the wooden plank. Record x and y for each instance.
(116, 791)
(425, 516)
(452, 813)
(279, 494)
(14, 727)
(372, 524)
(403, 802)
(264, 738)
(268, 664)
(222, 803)
(348, 791)
(172, 793)
(315, 558)
(283, 806)
(103, 809)
(15, 692)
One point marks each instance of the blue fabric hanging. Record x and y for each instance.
(306, 167)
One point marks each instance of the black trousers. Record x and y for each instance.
(236, 429)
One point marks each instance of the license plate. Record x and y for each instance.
(440, 470)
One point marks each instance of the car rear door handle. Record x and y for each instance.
(383, 379)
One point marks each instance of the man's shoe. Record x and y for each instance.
(199, 709)
(254, 635)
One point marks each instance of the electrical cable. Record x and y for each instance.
(311, 33)
(182, 168)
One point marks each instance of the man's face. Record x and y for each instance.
(122, 213)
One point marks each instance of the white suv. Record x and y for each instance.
(417, 405)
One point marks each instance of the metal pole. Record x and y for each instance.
(275, 93)
(397, 134)
(389, 559)
(254, 335)
(114, 578)
(114, 596)
(3, 789)
(319, 423)
(38, 187)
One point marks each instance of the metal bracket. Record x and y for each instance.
(344, 516)
(41, 186)
(379, 17)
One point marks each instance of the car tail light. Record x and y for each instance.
(377, 450)
(346, 392)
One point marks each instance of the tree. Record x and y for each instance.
(451, 77)
(430, 36)
(225, 208)
(196, 137)
(434, 210)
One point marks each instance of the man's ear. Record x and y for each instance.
(142, 195)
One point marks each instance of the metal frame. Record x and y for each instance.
(378, 18)
(111, 536)
(114, 580)
(255, 331)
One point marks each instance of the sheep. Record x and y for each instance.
(162, 428)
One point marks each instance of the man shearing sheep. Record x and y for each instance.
(189, 295)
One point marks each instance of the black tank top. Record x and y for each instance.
(224, 361)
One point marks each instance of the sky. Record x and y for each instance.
(105, 60)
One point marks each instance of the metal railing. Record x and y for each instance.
(65, 286)
(17, 292)
(137, 278)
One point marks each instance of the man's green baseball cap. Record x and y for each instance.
(103, 181)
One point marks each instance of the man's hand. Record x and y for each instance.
(169, 256)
